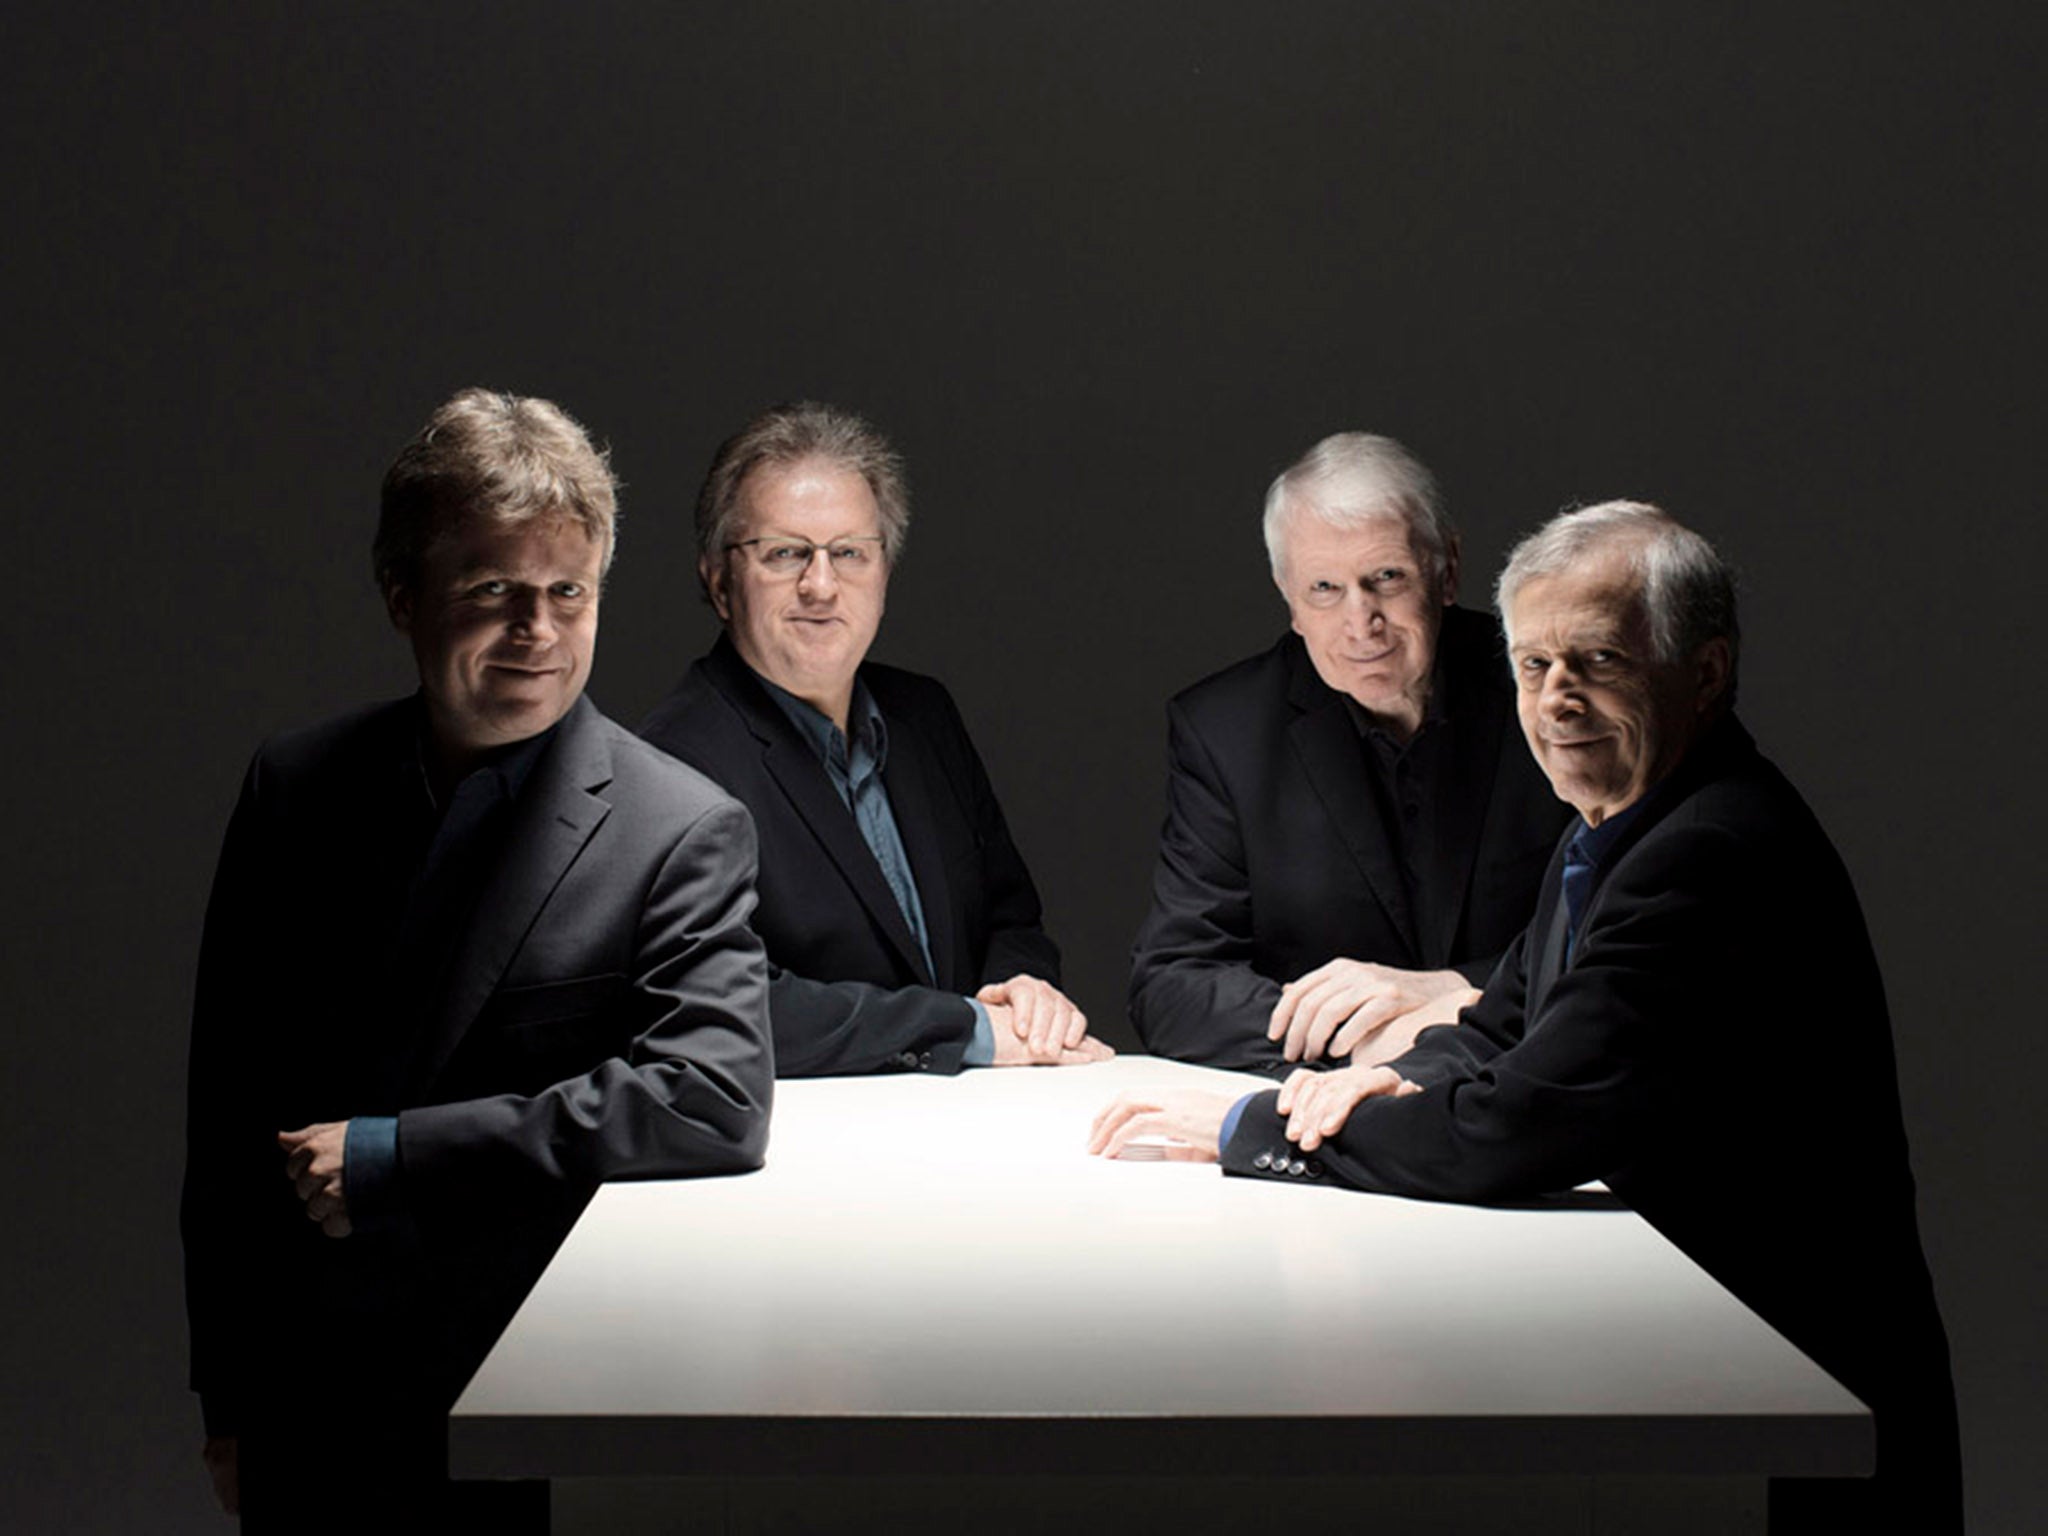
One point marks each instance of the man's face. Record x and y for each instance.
(1365, 607)
(1604, 717)
(503, 623)
(808, 629)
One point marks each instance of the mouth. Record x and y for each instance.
(1374, 658)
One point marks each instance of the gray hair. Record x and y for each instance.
(508, 459)
(1350, 479)
(789, 434)
(1688, 590)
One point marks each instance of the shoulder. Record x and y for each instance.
(903, 694)
(648, 781)
(701, 720)
(341, 755)
(365, 729)
(1734, 816)
(1245, 689)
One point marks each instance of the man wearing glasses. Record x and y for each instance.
(903, 930)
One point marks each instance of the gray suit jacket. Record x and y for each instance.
(601, 1013)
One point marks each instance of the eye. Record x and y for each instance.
(848, 554)
(570, 591)
(786, 556)
(491, 588)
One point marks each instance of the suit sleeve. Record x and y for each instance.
(689, 1092)
(1018, 944)
(1194, 994)
(230, 1160)
(848, 1028)
(1510, 1112)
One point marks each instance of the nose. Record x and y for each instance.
(532, 621)
(817, 578)
(1560, 695)
(1362, 608)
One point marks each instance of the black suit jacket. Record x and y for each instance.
(601, 1015)
(1274, 858)
(850, 990)
(1717, 1049)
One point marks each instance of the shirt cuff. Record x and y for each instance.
(981, 1048)
(369, 1171)
(1230, 1121)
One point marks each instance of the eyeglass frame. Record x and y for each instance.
(858, 570)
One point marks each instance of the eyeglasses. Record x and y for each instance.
(852, 558)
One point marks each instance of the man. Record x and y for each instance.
(1694, 1014)
(1353, 834)
(902, 926)
(468, 954)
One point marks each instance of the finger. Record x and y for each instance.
(337, 1225)
(1406, 1089)
(1303, 1004)
(1283, 1011)
(1297, 1080)
(993, 992)
(1025, 1006)
(1370, 1017)
(1113, 1115)
(1145, 1123)
(1332, 1007)
(1306, 1098)
(1076, 1022)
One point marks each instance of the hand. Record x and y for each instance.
(222, 1455)
(313, 1158)
(1190, 1118)
(1318, 1103)
(1024, 1011)
(1338, 1004)
(1040, 1012)
(1393, 1038)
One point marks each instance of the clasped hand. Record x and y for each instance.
(1361, 1010)
(313, 1159)
(1036, 1024)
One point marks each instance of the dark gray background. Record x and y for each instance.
(1101, 270)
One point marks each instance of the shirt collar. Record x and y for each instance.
(825, 738)
(508, 766)
(1593, 844)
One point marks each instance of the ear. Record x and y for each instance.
(1450, 573)
(712, 571)
(1711, 664)
(398, 603)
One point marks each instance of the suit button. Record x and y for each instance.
(1263, 1160)
(906, 1059)
(924, 1059)
(1296, 1168)
(1315, 1169)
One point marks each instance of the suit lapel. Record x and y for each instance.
(1333, 758)
(554, 818)
(1547, 929)
(909, 775)
(801, 777)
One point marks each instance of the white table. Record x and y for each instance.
(932, 1279)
